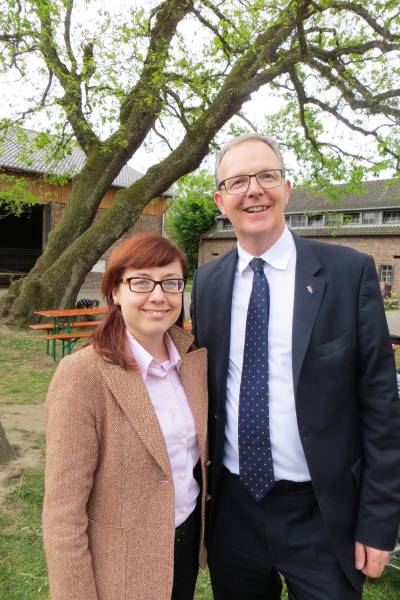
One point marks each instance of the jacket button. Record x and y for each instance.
(215, 416)
(208, 463)
(208, 497)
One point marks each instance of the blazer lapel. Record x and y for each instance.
(193, 372)
(309, 290)
(130, 392)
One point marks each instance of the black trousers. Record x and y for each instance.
(186, 557)
(249, 542)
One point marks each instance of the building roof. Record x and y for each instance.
(375, 194)
(348, 231)
(22, 155)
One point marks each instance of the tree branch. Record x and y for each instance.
(365, 14)
(72, 99)
(67, 37)
(225, 46)
(163, 138)
(368, 101)
(302, 99)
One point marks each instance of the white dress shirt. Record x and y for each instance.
(167, 395)
(287, 452)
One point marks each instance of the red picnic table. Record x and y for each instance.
(65, 323)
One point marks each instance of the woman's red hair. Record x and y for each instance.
(140, 252)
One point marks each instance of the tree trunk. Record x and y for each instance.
(6, 451)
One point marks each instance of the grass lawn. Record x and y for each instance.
(25, 369)
(22, 563)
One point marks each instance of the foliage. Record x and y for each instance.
(117, 79)
(15, 195)
(392, 301)
(191, 213)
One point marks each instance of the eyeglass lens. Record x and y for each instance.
(142, 285)
(266, 179)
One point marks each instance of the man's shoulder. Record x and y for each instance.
(332, 251)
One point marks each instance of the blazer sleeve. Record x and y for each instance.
(71, 459)
(379, 508)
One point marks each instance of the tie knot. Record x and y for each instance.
(257, 264)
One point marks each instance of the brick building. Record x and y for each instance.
(368, 221)
(23, 238)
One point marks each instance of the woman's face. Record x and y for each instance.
(149, 315)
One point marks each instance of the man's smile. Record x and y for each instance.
(256, 209)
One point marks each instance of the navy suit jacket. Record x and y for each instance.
(347, 405)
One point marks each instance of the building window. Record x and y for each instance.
(333, 219)
(392, 216)
(315, 220)
(298, 220)
(351, 218)
(386, 273)
(287, 219)
(370, 218)
(227, 225)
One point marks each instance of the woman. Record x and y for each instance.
(123, 512)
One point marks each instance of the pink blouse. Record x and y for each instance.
(164, 386)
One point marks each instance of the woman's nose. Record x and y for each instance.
(158, 294)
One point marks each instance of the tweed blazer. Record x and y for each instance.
(109, 511)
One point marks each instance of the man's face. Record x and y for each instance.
(256, 231)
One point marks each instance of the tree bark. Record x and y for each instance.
(6, 451)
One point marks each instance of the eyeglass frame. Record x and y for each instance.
(129, 279)
(223, 182)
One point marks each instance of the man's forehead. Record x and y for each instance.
(247, 153)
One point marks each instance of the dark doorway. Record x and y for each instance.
(21, 240)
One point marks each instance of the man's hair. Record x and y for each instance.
(258, 137)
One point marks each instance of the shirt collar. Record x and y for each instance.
(277, 256)
(145, 360)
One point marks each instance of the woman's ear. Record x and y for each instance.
(115, 297)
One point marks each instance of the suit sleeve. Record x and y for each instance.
(379, 509)
(71, 459)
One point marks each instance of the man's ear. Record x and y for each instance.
(289, 187)
(219, 201)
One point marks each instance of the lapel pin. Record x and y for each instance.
(311, 290)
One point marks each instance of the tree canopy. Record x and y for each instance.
(182, 72)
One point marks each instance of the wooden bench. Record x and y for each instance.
(68, 341)
(49, 327)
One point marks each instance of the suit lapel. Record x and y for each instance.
(130, 392)
(220, 307)
(309, 291)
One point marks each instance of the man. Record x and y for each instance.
(304, 411)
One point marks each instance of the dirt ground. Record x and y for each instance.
(24, 426)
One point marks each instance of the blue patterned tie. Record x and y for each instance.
(255, 458)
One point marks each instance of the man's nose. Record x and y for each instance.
(254, 186)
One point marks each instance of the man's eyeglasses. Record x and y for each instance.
(142, 285)
(270, 178)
